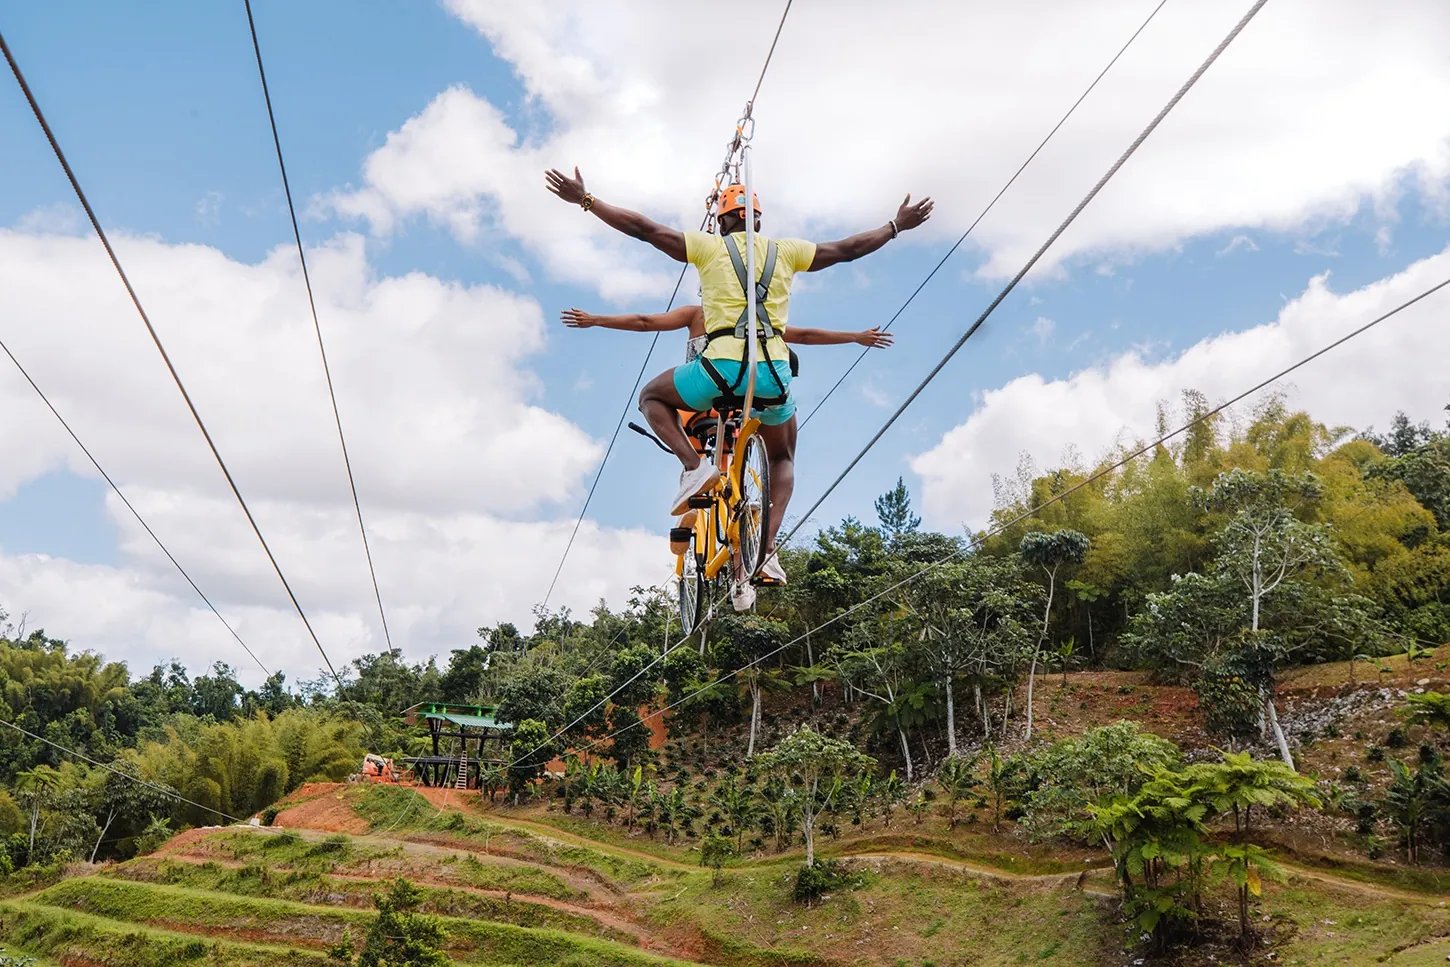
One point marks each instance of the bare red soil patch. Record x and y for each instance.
(327, 810)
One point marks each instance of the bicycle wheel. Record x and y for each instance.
(754, 506)
(692, 589)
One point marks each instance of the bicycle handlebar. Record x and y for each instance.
(649, 436)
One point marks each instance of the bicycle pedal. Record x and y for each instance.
(701, 501)
(680, 539)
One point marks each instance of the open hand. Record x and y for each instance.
(874, 338)
(578, 319)
(569, 189)
(908, 216)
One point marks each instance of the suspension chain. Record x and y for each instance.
(729, 173)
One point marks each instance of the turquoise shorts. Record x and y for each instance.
(698, 390)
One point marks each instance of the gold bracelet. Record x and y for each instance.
(588, 203)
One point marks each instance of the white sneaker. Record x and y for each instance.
(772, 571)
(693, 483)
(742, 595)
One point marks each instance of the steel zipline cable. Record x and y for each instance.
(1031, 262)
(165, 357)
(168, 793)
(1051, 239)
(134, 512)
(747, 117)
(985, 211)
(316, 325)
(978, 540)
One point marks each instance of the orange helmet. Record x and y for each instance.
(732, 199)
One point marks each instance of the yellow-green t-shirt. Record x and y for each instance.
(722, 298)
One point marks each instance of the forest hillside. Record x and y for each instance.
(1191, 710)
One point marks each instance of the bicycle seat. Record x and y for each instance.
(702, 424)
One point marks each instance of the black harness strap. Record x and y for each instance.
(764, 331)
(762, 288)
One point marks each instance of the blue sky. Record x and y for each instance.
(161, 114)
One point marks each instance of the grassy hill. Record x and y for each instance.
(531, 886)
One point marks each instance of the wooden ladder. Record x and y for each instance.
(462, 781)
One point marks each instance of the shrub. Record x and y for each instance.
(814, 882)
(1396, 739)
(156, 832)
(1375, 753)
(714, 852)
(1365, 816)
(269, 815)
(1064, 777)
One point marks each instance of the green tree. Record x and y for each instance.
(398, 936)
(529, 752)
(1156, 838)
(1417, 801)
(1246, 866)
(715, 852)
(158, 830)
(883, 674)
(217, 694)
(1241, 783)
(493, 778)
(752, 640)
(463, 680)
(893, 793)
(1048, 552)
(805, 759)
(534, 687)
(1264, 547)
(958, 780)
(739, 805)
(121, 797)
(634, 676)
(893, 510)
(969, 616)
(1002, 778)
(36, 787)
(1064, 778)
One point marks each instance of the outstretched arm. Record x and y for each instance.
(908, 216)
(872, 338)
(668, 240)
(632, 322)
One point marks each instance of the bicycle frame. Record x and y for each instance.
(721, 504)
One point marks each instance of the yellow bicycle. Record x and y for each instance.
(726, 537)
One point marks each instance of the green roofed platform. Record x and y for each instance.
(463, 725)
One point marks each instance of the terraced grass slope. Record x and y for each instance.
(513, 889)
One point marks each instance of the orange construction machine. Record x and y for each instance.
(375, 768)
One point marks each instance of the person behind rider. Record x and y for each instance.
(692, 319)
(719, 370)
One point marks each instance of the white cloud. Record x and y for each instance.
(1235, 244)
(1099, 408)
(452, 458)
(209, 207)
(641, 97)
(60, 219)
(1042, 329)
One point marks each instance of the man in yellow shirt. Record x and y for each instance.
(719, 369)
